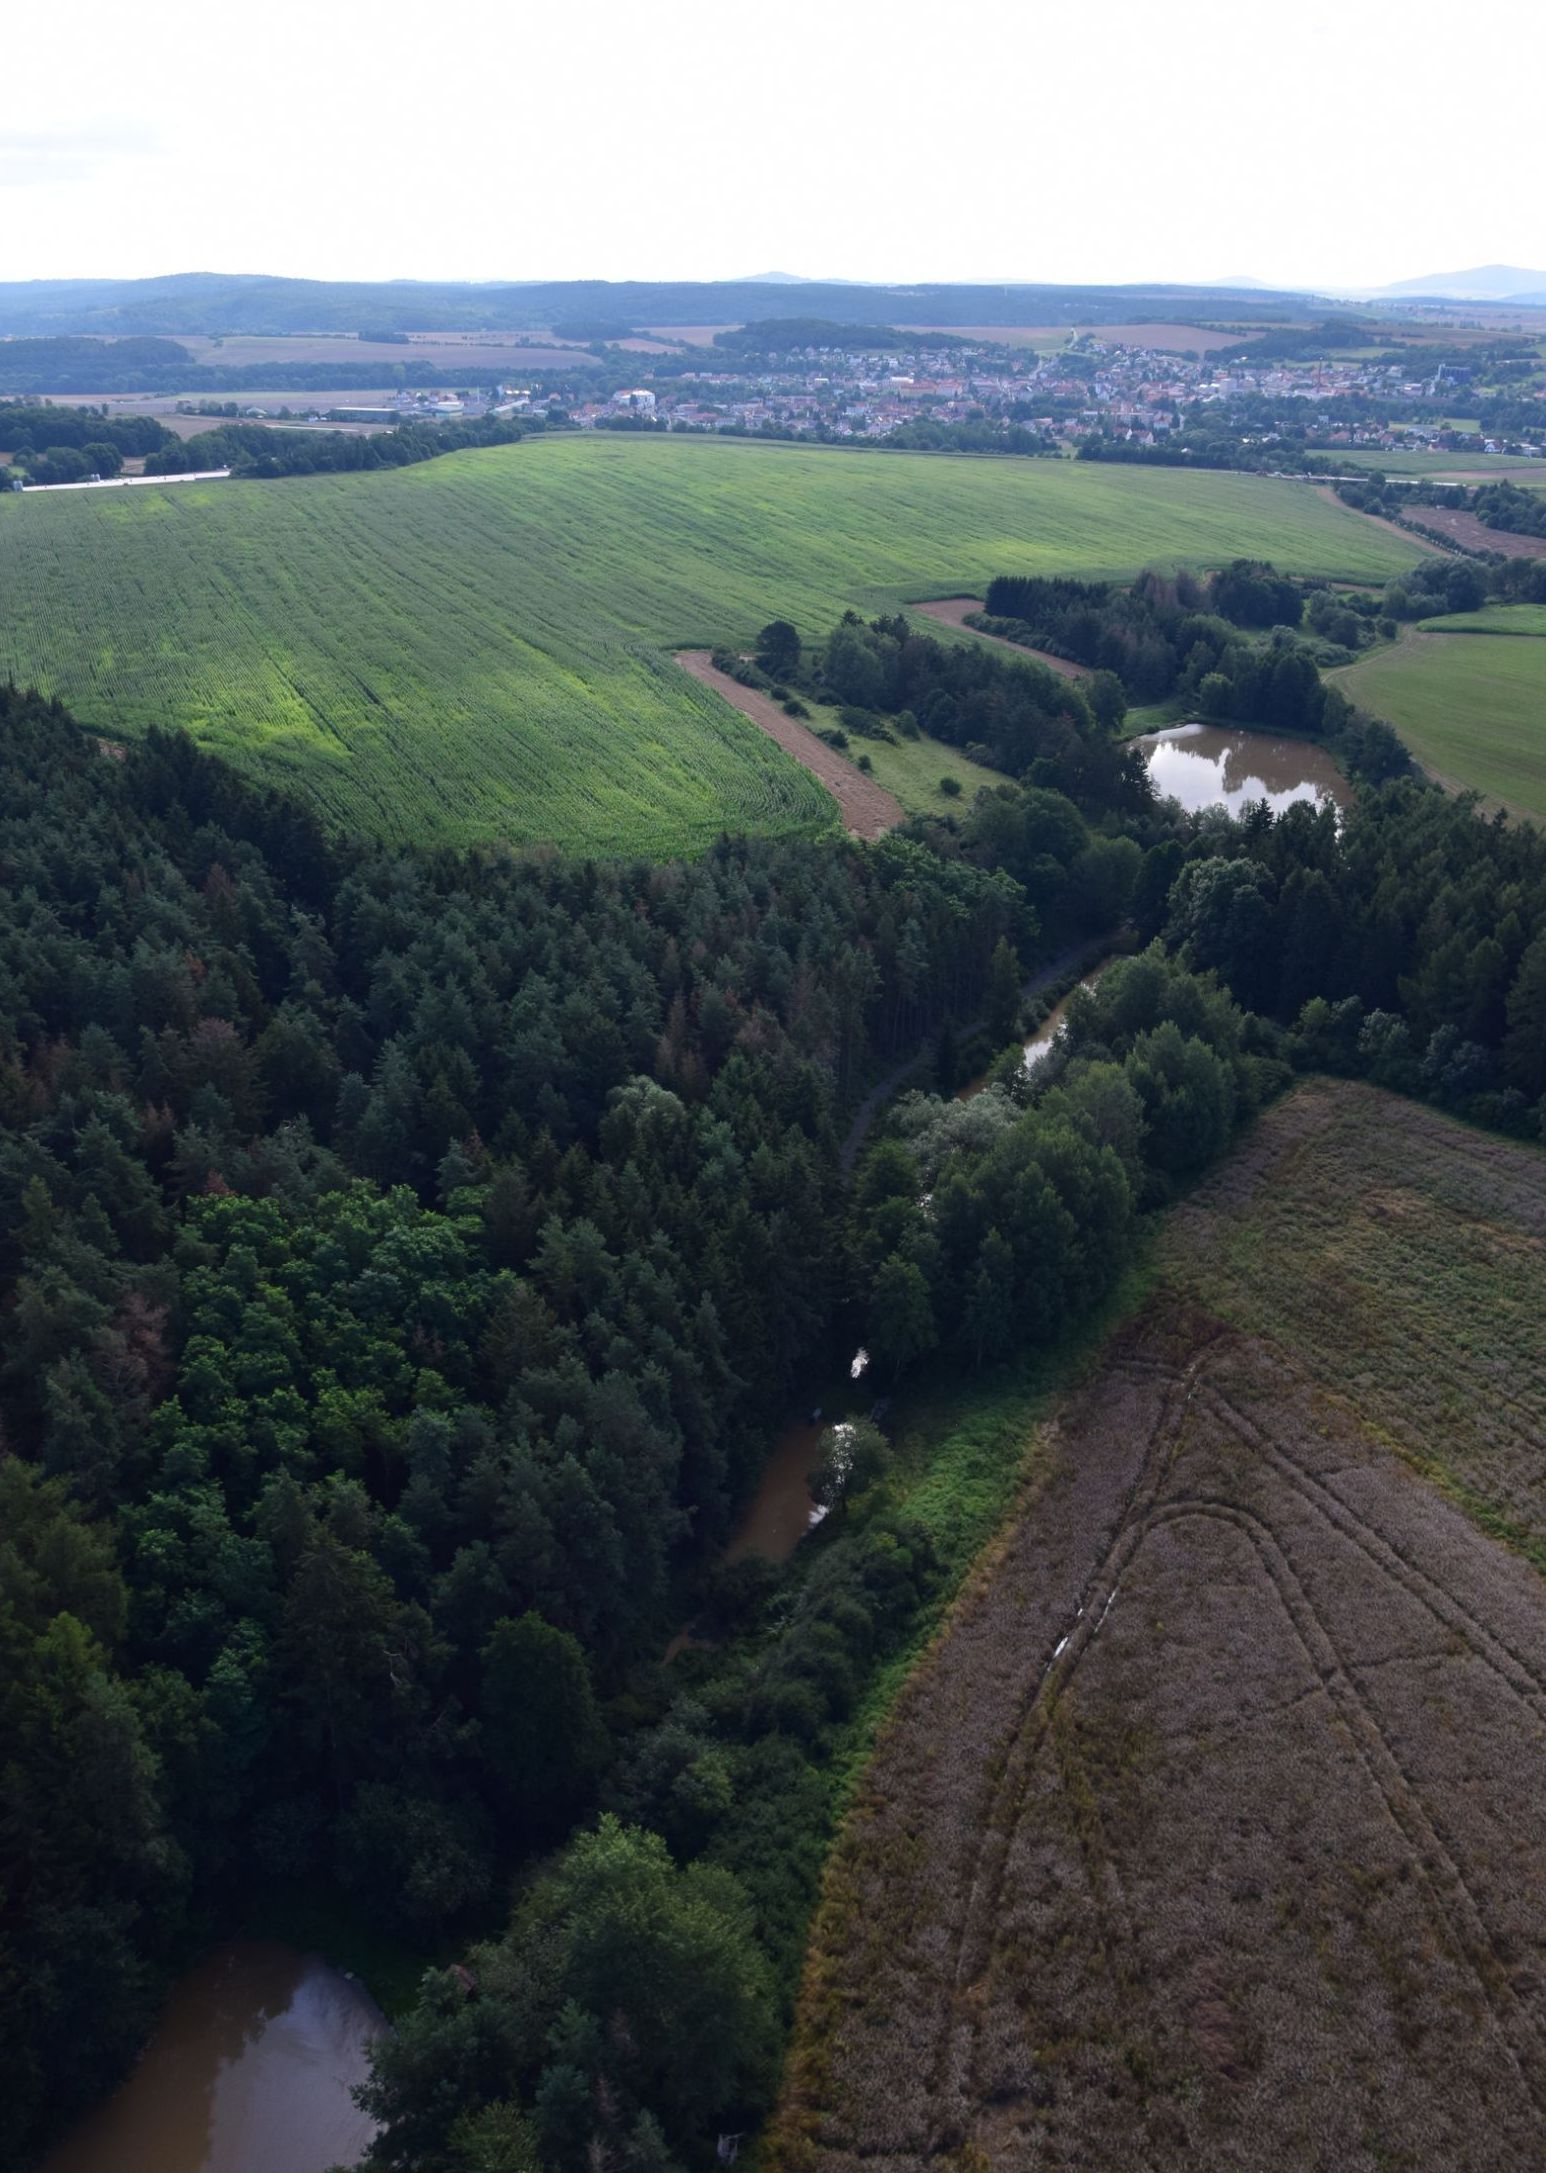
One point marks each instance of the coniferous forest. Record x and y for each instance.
(406, 1259)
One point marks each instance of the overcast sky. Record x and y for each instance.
(1336, 141)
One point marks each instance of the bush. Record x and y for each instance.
(950, 787)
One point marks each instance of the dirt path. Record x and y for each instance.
(869, 811)
(952, 610)
(1328, 491)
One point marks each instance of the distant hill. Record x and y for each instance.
(1483, 283)
(220, 303)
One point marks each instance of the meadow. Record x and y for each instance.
(1491, 619)
(479, 647)
(1471, 706)
(1473, 467)
(1205, 1836)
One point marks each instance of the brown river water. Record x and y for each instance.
(249, 2071)
(782, 1511)
(1211, 765)
(1037, 1044)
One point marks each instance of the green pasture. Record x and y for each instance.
(1492, 619)
(912, 769)
(479, 647)
(1495, 467)
(1471, 706)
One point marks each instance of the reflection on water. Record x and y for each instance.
(782, 1512)
(1209, 765)
(1037, 1044)
(1040, 1042)
(249, 2071)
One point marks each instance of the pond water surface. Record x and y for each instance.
(249, 2071)
(1212, 765)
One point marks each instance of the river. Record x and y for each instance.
(1037, 1044)
(782, 1510)
(1211, 765)
(249, 2071)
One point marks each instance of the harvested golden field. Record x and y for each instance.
(1209, 1835)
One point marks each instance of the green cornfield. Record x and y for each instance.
(480, 647)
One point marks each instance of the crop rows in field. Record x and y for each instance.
(1207, 1838)
(479, 646)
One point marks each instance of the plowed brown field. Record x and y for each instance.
(1210, 1835)
(1475, 535)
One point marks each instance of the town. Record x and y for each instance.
(1117, 392)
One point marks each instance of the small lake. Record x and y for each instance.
(249, 2071)
(1212, 765)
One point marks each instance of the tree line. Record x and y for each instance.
(263, 452)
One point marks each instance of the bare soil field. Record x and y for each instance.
(1209, 1835)
(1177, 338)
(868, 810)
(952, 611)
(1476, 536)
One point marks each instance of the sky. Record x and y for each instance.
(1330, 143)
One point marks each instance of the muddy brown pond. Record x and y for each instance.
(1211, 765)
(249, 2071)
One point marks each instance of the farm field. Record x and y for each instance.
(485, 354)
(1492, 619)
(1471, 706)
(1468, 467)
(1207, 1836)
(1178, 338)
(1473, 534)
(478, 647)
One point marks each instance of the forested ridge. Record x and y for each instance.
(406, 1257)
